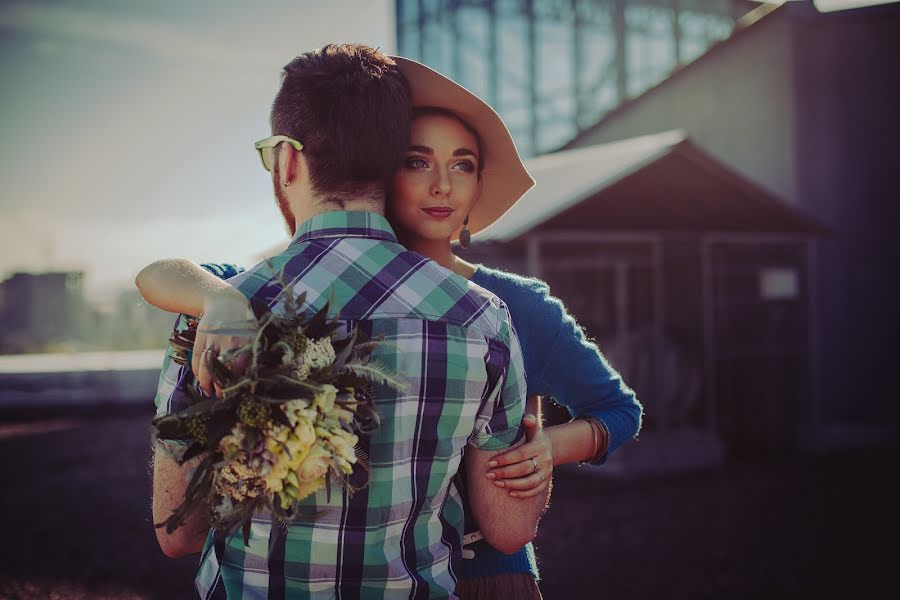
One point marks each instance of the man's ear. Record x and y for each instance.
(288, 165)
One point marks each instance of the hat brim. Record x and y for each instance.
(504, 177)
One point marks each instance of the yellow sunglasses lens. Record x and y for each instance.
(267, 155)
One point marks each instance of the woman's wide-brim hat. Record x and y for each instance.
(504, 178)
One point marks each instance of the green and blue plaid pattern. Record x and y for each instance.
(453, 344)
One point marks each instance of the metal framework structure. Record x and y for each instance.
(552, 68)
(647, 249)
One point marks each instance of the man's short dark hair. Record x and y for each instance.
(349, 105)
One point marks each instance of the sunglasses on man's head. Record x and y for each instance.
(266, 148)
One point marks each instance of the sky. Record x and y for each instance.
(128, 127)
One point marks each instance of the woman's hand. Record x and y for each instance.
(525, 469)
(228, 310)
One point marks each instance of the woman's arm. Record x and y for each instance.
(574, 441)
(580, 378)
(526, 469)
(179, 285)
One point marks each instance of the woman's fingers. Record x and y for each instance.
(524, 469)
(516, 455)
(523, 484)
(204, 377)
(237, 361)
(209, 346)
(529, 421)
(242, 361)
(197, 353)
(522, 451)
(519, 469)
(532, 492)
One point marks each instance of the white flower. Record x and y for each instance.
(302, 372)
(318, 354)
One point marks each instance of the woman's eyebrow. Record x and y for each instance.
(429, 150)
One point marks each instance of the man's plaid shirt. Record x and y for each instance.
(453, 343)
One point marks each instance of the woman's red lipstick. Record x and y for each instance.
(439, 212)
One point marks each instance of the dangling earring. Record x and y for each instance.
(465, 236)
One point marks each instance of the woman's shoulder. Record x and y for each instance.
(490, 278)
(517, 291)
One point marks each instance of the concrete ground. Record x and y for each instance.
(75, 494)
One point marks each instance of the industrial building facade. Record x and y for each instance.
(553, 67)
(743, 329)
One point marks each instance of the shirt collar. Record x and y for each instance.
(345, 223)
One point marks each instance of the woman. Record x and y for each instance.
(461, 173)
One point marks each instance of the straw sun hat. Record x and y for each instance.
(504, 178)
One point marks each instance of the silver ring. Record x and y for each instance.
(208, 349)
(535, 464)
(542, 477)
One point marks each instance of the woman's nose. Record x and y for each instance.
(441, 184)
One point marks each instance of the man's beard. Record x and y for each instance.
(287, 214)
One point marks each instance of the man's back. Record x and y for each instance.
(450, 342)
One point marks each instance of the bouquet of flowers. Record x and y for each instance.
(286, 424)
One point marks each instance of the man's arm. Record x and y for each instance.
(507, 522)
(169, 484)
(169, 479)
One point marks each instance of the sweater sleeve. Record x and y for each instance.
(580, 378)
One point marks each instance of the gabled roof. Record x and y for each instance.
(568, 177)
(659, 182)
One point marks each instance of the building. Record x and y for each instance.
(694, 281)
(806, 105)
(552, 68)
(40, 309)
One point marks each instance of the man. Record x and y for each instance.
(341, 126)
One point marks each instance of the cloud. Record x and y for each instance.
(127, 137)
(158, 39)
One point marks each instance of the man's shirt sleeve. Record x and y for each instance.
(499, 423)
(171, 391)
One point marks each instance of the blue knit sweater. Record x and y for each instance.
(560, 362)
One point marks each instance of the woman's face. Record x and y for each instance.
(438, 183)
